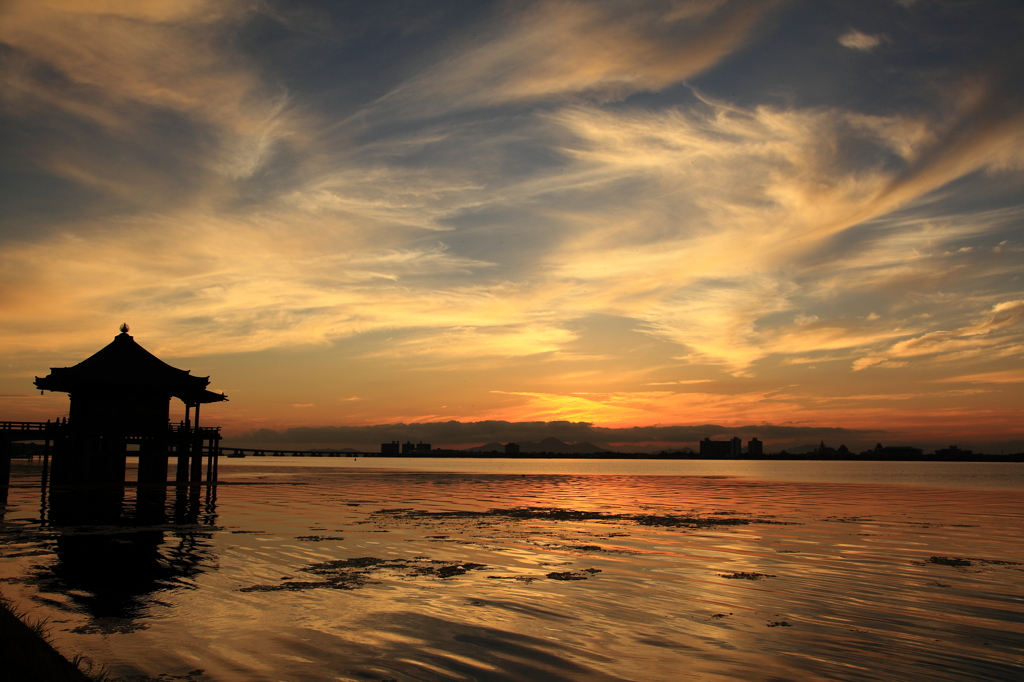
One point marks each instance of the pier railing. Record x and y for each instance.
(15, 430)
(25, 426)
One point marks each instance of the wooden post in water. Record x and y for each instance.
(184, 448)
(5, 469)
(153, 461)
(46, 457)
(196, 475)
(184, 445)
(111, 461)
(215, 453)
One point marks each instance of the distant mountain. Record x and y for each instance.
(648, 449)
(487, 447)
(547, 445)
(803, 449)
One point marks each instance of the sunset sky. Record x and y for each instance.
(799, 214)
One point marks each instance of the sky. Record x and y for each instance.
(793, 219)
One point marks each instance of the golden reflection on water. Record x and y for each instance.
(314, 573)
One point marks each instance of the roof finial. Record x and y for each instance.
(124, 327)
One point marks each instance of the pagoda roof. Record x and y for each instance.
(125, 366)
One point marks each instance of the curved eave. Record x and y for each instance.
(46, 384)
(201, 397)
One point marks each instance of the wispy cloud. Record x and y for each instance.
(564, 202)
(555, 49)
(975, 337)
(856, 40)
(1011, 376)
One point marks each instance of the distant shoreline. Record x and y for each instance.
(29, 451)
(462, 454)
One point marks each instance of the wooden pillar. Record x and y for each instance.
(153, 461)
(209, 463)
(181, 506)
(77, 459)
(216, 462)
(196, 473)
(110, 465)
(5, 469)
(184, 448)
(151, 492)
(197, 452)
(58, 458)
(46, 459)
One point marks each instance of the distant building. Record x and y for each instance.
(755, 448)
(410, 448)
(825, 452)
(895, 452)
(721, 449)
(953, 452)
(392, 448)
(511, 448)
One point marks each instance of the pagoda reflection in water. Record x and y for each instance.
(112, 557)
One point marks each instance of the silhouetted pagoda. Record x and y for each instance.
(122, 395)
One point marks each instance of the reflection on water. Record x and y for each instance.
(324, 573)
(107, 556)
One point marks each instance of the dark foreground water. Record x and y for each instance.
(339, 570)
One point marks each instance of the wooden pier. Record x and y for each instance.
(69, 455)
(275, 452)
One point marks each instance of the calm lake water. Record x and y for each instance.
(386, 569)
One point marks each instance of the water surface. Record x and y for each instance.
(334, 569)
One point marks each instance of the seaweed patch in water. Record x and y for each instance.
(573, 575)
(350, 574)
(779, 624)
(947, 561)
(849, 519)
(358, 562)
(521, 578)
(692, 521)
(318, 538)
(347, 582)
(744, 575)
